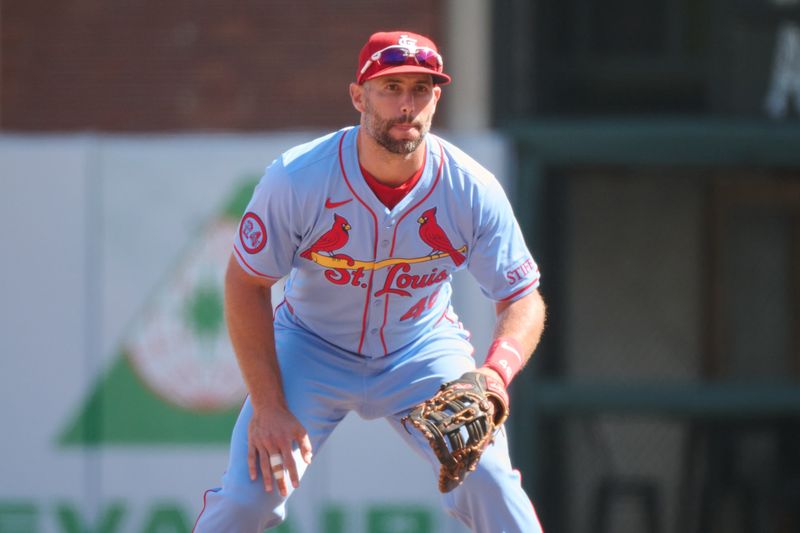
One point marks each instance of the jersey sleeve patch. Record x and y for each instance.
(252, 233)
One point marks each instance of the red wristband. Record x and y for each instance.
(505, 357)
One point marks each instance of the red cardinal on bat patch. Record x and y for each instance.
(331, 240)
(434, 236)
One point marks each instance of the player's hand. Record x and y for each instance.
(272, 434)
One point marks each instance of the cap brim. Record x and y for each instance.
(439, 78)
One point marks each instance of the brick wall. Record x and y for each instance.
(176, 65)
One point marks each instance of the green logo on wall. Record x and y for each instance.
(175, 378)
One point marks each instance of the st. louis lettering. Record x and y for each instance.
(397, 280)
(342, 276)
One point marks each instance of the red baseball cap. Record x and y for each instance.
(400, 52)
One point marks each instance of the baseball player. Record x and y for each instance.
(368, 225)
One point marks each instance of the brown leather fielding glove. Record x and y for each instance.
(459, 423)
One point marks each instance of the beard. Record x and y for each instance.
(379, 129)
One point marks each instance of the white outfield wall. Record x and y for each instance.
(117, 383)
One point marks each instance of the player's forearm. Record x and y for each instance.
(522, 320)
(248, 311)
(517, 332)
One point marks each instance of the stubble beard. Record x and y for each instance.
(379, 129)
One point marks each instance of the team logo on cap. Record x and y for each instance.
(252, 233)
(407, 41)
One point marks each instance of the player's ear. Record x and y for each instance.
(357, 96)
(437, 92)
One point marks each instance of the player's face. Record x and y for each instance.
(397, 110)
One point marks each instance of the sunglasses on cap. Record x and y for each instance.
(397, 55)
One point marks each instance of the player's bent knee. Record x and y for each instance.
(488, 496)
(262, 508)
(241, 510)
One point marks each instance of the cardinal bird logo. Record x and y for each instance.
(331, 240)
(435, 237)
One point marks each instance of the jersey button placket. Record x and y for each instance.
(373, 311)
